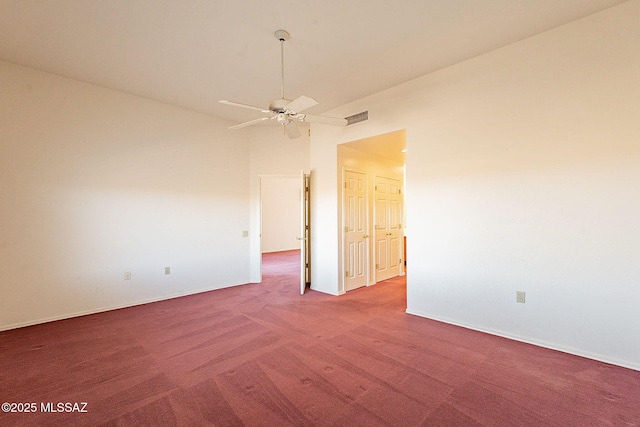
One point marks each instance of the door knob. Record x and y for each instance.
(365, 236)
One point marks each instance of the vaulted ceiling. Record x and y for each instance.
(193, 53)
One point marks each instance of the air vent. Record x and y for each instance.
(357, 118)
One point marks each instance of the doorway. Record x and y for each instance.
(371, 193)
(285, 221)
(280, 212)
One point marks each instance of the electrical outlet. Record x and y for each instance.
(520, 296)
(127, 275)
(167, 270)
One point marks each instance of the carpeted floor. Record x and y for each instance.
(262, 355)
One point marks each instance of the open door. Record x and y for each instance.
(305, 276)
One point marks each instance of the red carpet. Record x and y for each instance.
(262, 355)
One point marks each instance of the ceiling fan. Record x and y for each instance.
(284, 110)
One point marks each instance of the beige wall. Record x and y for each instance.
(523, 169)
(95, 183)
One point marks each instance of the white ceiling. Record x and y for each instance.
(194, 53)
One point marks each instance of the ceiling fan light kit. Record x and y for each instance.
(283, 110)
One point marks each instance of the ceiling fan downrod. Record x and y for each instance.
(283, 36)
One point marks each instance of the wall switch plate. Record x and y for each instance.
(127, 275)
(245, 234)
(167, 270)
(520, 296)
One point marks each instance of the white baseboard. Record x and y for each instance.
(552, 346)
(110, 308)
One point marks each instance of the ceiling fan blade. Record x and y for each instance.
(237, 104)
(292, 130)
(310, 118)
(301, 103)
(249, 123)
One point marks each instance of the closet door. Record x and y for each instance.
(387, 228)
(356, 255)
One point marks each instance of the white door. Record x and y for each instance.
(305, 276)
(387, 228)
(356, 254)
